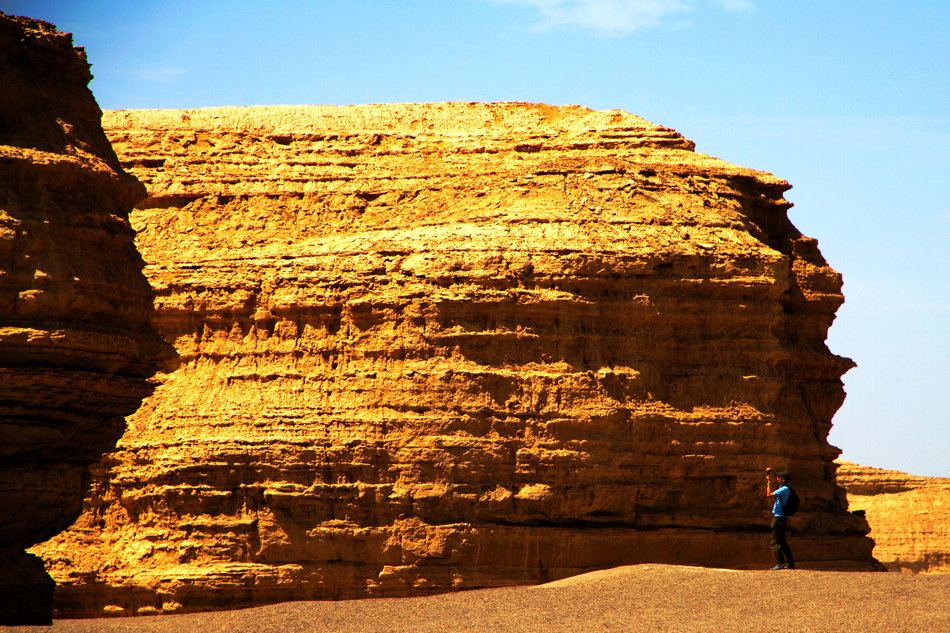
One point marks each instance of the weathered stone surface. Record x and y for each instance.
(909, 516)
(76, 345)
(434, 347)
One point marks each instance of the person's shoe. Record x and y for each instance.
(790, 567)
(779, 567)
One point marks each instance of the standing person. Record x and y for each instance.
(780, 548)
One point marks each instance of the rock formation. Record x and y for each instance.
(446, 346)
(909, 516)
(76, 346)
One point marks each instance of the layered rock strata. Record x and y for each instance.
(909, 516)
(446, 346)
(76, 346)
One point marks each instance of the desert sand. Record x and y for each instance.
(656, 598)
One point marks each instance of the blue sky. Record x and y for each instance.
(848, 101)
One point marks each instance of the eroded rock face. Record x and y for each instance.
(909, 516)
(76, 346)
(445, 346)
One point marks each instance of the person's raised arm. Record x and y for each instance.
(769, 482)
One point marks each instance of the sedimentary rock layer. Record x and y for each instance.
(76, 345)
(444, 346)
(909, 516)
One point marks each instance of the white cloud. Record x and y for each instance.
(615, 17)
(737, 5)
(161, 75)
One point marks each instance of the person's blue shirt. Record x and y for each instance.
(781, 498)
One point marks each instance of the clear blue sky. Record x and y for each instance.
(849, 101)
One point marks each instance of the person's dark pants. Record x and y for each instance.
(780, 548)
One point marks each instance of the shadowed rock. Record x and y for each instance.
(76, 344)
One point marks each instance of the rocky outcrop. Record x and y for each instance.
(909, 516)
(76, 346)
(446, 346)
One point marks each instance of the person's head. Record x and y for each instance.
(785, 476)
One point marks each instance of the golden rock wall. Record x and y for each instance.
(447, 346)
(909, 516)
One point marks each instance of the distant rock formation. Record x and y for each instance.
(447, 346)
(76, 346)
(909, 516)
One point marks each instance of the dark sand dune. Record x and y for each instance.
(655, 598)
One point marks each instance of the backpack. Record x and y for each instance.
(790, 508)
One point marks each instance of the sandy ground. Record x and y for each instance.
(654, 598)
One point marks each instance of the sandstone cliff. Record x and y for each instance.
(445, 346)
(909, 516)
(76, 346)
